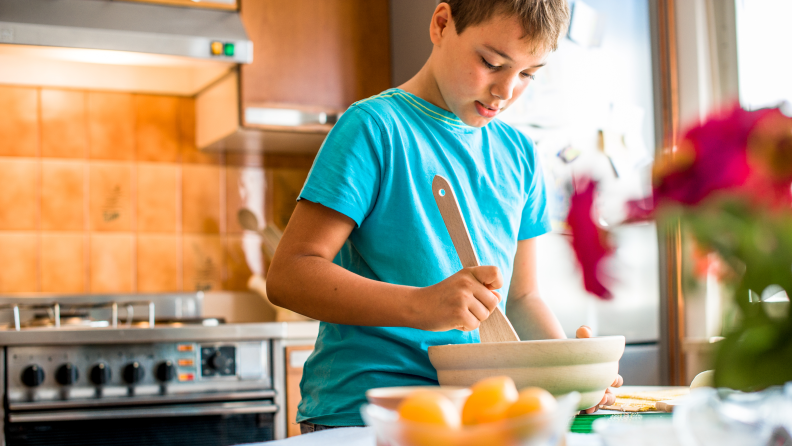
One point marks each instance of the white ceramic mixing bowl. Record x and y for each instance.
(559, 366)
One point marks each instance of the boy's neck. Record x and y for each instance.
(424, 85)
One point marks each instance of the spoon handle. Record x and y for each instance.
(496, 328)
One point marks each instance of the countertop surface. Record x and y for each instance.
(356, 436)
(189, 333)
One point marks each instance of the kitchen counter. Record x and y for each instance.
(579, 436)
(356, 436)
(218, 333)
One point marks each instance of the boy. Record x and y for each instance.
(366, 251)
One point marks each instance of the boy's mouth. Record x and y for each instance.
(486, 111)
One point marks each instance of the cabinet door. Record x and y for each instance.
(295, 358)
(214, 4)
(315, 55)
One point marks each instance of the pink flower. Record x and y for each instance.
(770, 157)
(711, 157)
(588, 240)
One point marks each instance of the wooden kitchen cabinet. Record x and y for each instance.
(311, 60)
(295, 359)
(213, 4)
(315, 55)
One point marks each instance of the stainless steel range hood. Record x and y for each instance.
(118, 45)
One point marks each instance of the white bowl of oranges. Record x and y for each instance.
(494, 414)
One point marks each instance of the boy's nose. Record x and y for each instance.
(504, 89)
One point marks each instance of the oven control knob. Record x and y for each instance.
(67, 374)
(166, 371)
(133, 373)
(100, 374)
(32, 376)
(218, 361)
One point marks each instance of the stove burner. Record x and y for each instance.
(72, 317)
(79, 316)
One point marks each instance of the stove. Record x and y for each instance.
(118, 370)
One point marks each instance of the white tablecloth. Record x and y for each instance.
(364, 436)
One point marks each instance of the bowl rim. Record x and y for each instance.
(392, 392)
(599, 339)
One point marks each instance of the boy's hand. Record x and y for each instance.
(609, 399)
(461, 301)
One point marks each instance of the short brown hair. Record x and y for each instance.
(544, 21)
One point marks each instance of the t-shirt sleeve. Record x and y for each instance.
(535, 219)
(346, 173)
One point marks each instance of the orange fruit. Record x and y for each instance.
(531, 400)
(427, 406)
(489, 400)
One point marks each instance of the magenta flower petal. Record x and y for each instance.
(639, 210)
(719, 159)
(588, 240)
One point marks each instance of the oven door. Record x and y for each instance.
(213, 424)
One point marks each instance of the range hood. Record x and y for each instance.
(117, 45)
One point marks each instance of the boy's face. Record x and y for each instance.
(485, 69)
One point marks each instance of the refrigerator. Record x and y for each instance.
(590, 112)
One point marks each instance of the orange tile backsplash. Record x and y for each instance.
(19, 193)
(110, 207)
(203, 262)
(19, 262)
(157, 128)
(63, 195)
(158, 263)
(111, 267)
(157, 197)
(63, 124)
(106, 192)
(19, 121)
(201, 189)
(111, 126)
(63, 262)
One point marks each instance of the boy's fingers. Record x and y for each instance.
(489, 276)
(618, 381)
(479, 311)
(608, 399)
(584, 332)
(487, 299)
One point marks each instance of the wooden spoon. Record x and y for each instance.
(496, 328)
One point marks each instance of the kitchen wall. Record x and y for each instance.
(409, 37)
(106, 193)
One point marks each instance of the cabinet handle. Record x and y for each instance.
(287, 117)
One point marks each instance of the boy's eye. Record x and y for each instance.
(489, 65)
(496, 67)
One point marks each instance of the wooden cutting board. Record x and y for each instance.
(645, 399)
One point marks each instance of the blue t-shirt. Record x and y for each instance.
(376, 166)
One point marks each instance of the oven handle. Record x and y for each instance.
(149, 412)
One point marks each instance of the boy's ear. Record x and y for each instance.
(441, 23)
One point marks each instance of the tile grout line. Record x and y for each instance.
(87, 200)
(179, 201)
(224, 273)
(133, 199)
(40, 197)
(179, 226)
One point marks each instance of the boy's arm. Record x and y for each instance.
(528, 313)
(531, 317)
(304, 279)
